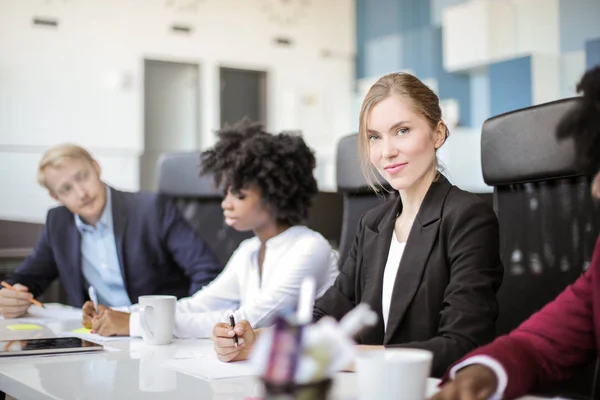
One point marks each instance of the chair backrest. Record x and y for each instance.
(548, 220)
(199, 201)
(358, 196)
(325, 216)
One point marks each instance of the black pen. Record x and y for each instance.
(232, 323)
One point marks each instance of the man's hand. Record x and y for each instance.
(14, 303)
(88, 313)
(474, 382)
(222, 338)
(111, 323)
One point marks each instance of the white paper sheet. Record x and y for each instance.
(93, 337)
(207, 366)
(52, 312)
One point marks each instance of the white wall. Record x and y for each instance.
(83, 81)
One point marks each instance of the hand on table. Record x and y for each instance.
(109, 322)
(88, 313)
(474, 382)
(14, 303)
(222, 338)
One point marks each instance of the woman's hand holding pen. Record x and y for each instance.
(224, 344)
(89, 311)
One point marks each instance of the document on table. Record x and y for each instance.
(85, 334)
(205, 365)
(52, 313)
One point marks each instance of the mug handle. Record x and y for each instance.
(144, 321)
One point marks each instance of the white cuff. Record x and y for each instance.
(135, 329)
(127, 309)
(491, 363)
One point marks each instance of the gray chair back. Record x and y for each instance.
(199, 201)
(358, 197)
(548, 220)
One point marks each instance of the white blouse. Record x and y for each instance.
(389, 276)
(290, 256)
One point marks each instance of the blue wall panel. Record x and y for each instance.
(480, 93)
(360, 38)
(451, 86)
(579, 21)
(419, 52)
(510, 85)
(380, 18)
(592, 52)
(414, 14)
(383, 55)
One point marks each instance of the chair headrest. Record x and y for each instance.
(349, 175)
(521, 146)
(178, 176)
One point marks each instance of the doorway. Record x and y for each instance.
(171, 114)
(243, 95)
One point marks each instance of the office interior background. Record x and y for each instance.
(132, 79)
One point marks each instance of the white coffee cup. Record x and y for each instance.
(393, 374)
(157, 318)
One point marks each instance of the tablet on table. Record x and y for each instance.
(47, 346)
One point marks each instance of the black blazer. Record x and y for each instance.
(444, 297)
(158, 251)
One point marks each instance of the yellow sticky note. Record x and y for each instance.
(82, 330)
(24, 327)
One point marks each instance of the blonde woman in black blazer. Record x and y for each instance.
(427, 261)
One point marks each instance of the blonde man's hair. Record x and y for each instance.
(424, 101)
(54, 157)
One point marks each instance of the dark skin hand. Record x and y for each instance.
(474, 382)
(111, 323)
(107, 322)
(89, 312)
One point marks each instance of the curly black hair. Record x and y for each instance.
(583, 123)
(281, 166)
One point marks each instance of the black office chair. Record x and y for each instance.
(549, 222)
(199, 202)
(325, 216)
(358, 196)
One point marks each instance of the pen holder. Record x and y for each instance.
(318, 390)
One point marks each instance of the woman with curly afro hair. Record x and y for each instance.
(565, 334)
(268, 187)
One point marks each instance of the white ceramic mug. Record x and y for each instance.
(157, 318)
(393, 374)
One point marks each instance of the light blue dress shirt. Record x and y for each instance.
(99, 258)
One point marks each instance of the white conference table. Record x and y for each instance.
(134, 372)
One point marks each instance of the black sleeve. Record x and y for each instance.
(39, 270)
(340, 298)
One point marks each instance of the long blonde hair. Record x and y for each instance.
(424, 100)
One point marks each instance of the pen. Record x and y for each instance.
(306, 301)
(33, 301)
(93, 297)
(232, 323)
